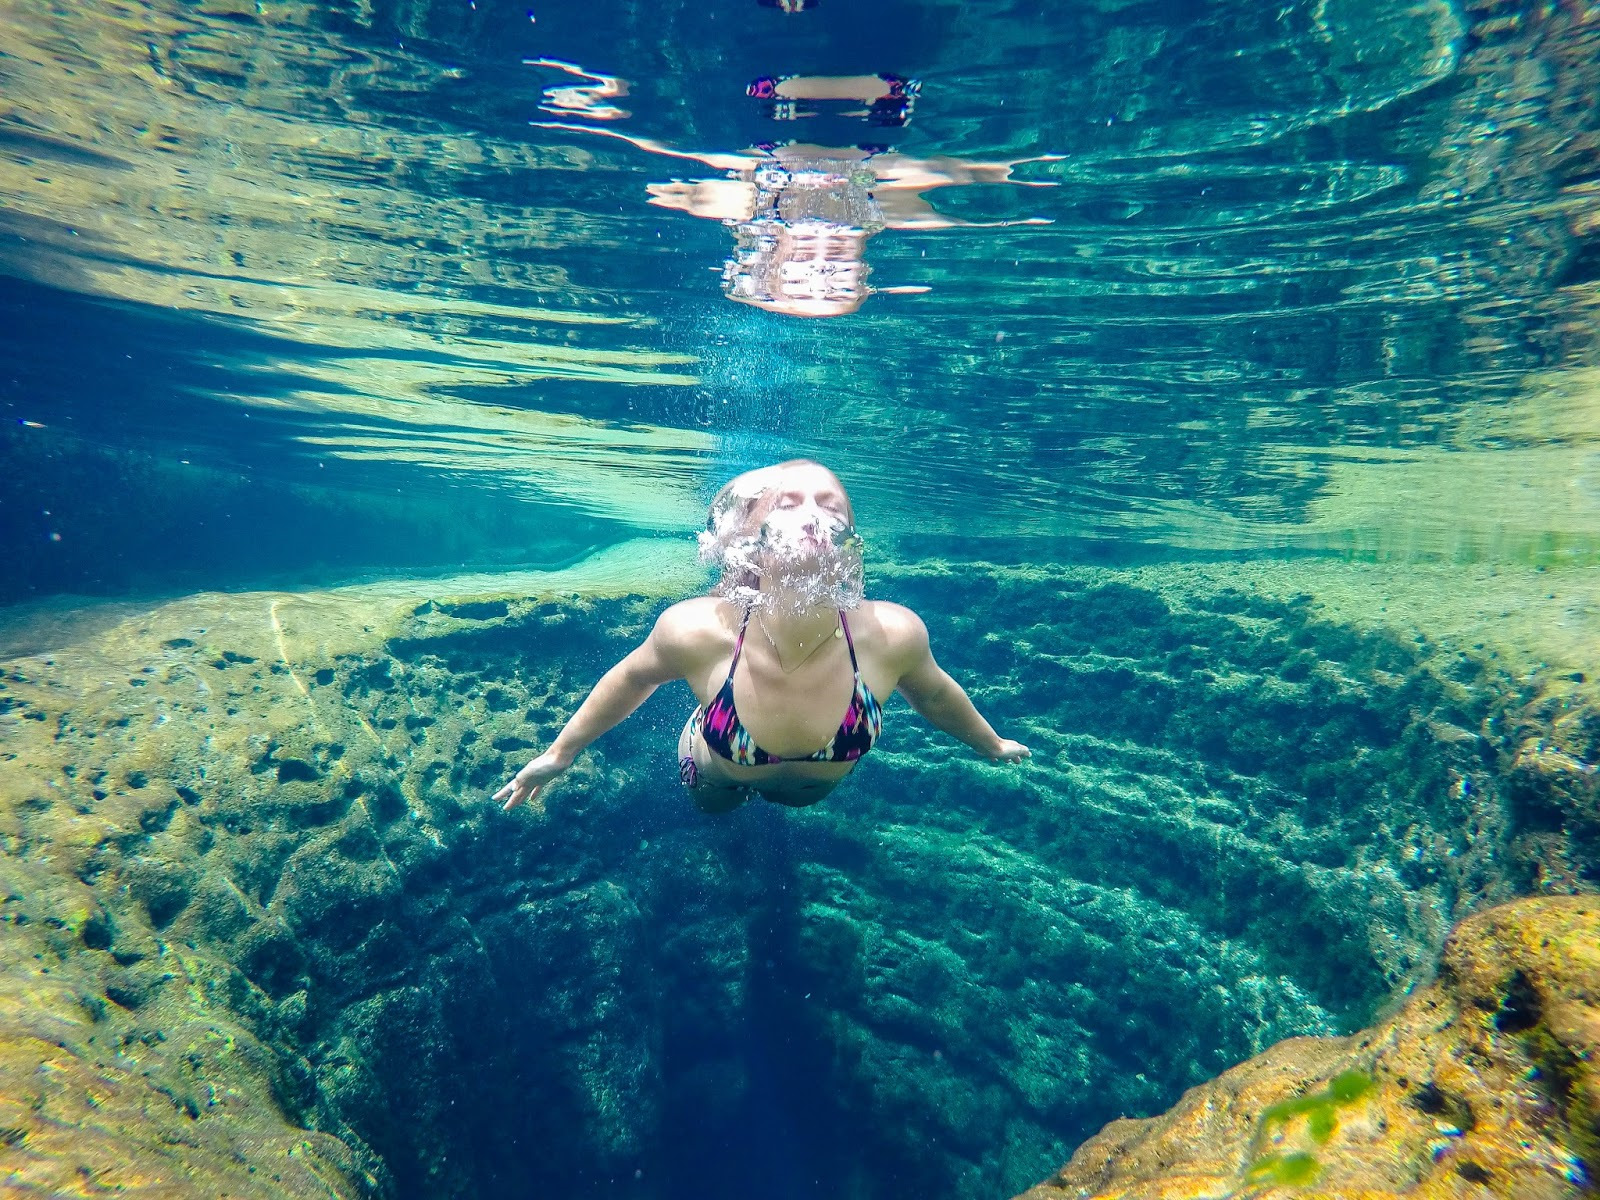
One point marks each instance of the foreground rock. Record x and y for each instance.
(141, 1079)
(1484, 1084)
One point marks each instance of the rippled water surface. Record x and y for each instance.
(1318, 275)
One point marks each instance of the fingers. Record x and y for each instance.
(524, 785)
(517, 792)
(519, 797)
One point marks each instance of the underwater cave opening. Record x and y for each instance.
(947, 975)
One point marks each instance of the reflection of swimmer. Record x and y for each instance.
(801, 215)
(789, 6)
(889, 98)
(590, 99)
(783, 646)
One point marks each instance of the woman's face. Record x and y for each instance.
(804, 516)
(822, 273)
(785, 537)
(805, 269)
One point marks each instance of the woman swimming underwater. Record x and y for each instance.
(782, 647)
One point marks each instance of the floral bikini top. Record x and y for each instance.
(724, 734)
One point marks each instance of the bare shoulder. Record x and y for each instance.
(899, 633)
(696, 629)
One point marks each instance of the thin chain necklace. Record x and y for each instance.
(838, 631)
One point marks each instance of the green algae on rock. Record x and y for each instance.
(180, 807)
(1483, 1083)
(147, 1072)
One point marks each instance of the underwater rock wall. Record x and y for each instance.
(261, 891)
(1240, 823)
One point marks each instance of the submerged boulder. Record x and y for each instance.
(1484, 1083)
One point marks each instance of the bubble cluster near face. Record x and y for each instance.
(768, 561)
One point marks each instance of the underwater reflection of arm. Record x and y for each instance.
(901, 182)
(941, 701)
(910, 210)
(719, 161)
(621, 690)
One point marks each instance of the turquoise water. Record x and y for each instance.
(1221, 384)
(1298, 261)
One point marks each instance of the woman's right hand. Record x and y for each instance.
(527, 783)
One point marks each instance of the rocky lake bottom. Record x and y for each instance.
(267, 936)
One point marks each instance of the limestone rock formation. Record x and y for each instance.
(1484, 1084)
(261, 919)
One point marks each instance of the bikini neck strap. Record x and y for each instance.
(850, 642)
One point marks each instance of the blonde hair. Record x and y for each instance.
(733, 537)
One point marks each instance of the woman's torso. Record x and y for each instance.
(790, 715)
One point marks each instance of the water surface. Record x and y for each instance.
(1316, 276)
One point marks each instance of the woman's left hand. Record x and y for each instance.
(1010, 752)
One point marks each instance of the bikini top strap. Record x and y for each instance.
(738, 645)
(849, 641)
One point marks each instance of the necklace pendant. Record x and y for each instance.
(800, 647)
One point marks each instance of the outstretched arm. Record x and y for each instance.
(620, 691)
(943, 703)
(719, 161)
(911, 210)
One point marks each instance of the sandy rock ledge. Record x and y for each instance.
(1482, 1085)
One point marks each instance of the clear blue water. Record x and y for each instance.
(298, 293)
(1291, 252)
